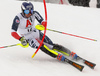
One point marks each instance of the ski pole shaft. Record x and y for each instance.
(41, 27)
(72, 35)
(8, 46)
(19, 44)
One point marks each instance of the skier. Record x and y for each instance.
(23, 29)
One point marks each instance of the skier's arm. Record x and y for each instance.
(14, 28)
(14, 31)
(40, 19)
(15, 35)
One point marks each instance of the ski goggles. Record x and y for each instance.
(28, 11)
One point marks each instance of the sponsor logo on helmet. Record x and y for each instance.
(29, 6)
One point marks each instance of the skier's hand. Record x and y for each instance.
(23, 41)
(44, 23)
(60, 57)
(40, 27)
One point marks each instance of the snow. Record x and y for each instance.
(82, 21)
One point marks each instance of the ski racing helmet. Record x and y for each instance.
(27, 7)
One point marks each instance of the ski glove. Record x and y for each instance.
(60, 57)
(44, 23)
(23, 41)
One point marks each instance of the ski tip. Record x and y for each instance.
(90, 64)
(82, 67)
(93, 66)
(78, 66)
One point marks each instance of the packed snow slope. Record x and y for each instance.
(17, 61)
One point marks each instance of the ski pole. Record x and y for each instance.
(72, 35)
(40, 27)
(19, 44)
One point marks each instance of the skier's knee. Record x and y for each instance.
(33, 43)
(61, 49)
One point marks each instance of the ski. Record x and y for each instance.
(68, 53)
(86, 62)
(76, 65)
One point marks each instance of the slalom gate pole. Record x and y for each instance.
(44, 29)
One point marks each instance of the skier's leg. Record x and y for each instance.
(64, 51)
(35, 44)
(52, 53)
(56, 47)
(47, 40)
(61, 49)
